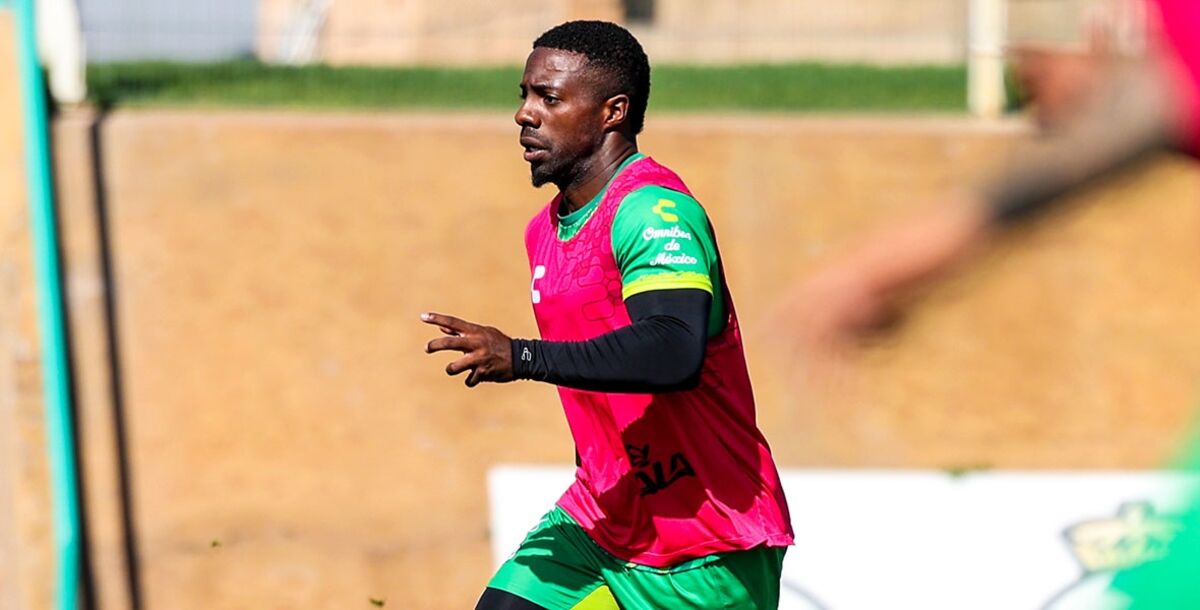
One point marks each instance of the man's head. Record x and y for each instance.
(585, 83)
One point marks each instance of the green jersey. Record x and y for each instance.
(661, 240)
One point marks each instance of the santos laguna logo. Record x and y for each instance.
(1104, 547)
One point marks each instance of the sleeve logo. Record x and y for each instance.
(674, 233)
(664, 259)
(660, 209)
(539, 272)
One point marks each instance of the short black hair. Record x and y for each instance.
(612, 49)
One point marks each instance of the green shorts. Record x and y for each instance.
(559, 567)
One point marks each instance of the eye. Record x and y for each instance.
(551, 100)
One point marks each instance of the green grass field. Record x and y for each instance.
(774, 88)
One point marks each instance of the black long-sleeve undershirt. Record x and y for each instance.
(661, 351)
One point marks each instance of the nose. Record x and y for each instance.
(525, 116)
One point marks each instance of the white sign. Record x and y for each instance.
(867, 540)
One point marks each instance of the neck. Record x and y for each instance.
(596, 175)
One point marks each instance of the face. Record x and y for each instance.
(561, 116)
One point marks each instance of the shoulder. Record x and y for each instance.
(659, 207)
(654, 220)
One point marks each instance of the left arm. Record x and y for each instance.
(664, 247)
(661, 351)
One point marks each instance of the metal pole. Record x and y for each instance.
(60, 439)
(985, 57)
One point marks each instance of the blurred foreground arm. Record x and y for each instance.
(1126, 115)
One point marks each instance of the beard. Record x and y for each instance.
(565, 160)
(542, 173)
(552, 170)
(560, 170)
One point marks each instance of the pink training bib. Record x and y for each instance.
(663, 478)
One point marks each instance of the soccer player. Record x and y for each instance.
(1106, 121)
(676, 502)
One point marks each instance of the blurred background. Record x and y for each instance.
(255, 200)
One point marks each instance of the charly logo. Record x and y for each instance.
(673, 233)
(661, 210)
(539, 272)
(1107, 546)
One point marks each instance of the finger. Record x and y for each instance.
(473, 379)
(465, 363)
(448, 324)
(456, 343)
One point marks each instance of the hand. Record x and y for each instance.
(840, 303)
(1056, 82)
(487, 351)
(862, 292)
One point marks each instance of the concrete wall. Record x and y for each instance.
(96, 389)
(710, 31)
(291, 446)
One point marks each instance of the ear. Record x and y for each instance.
(616, 112)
